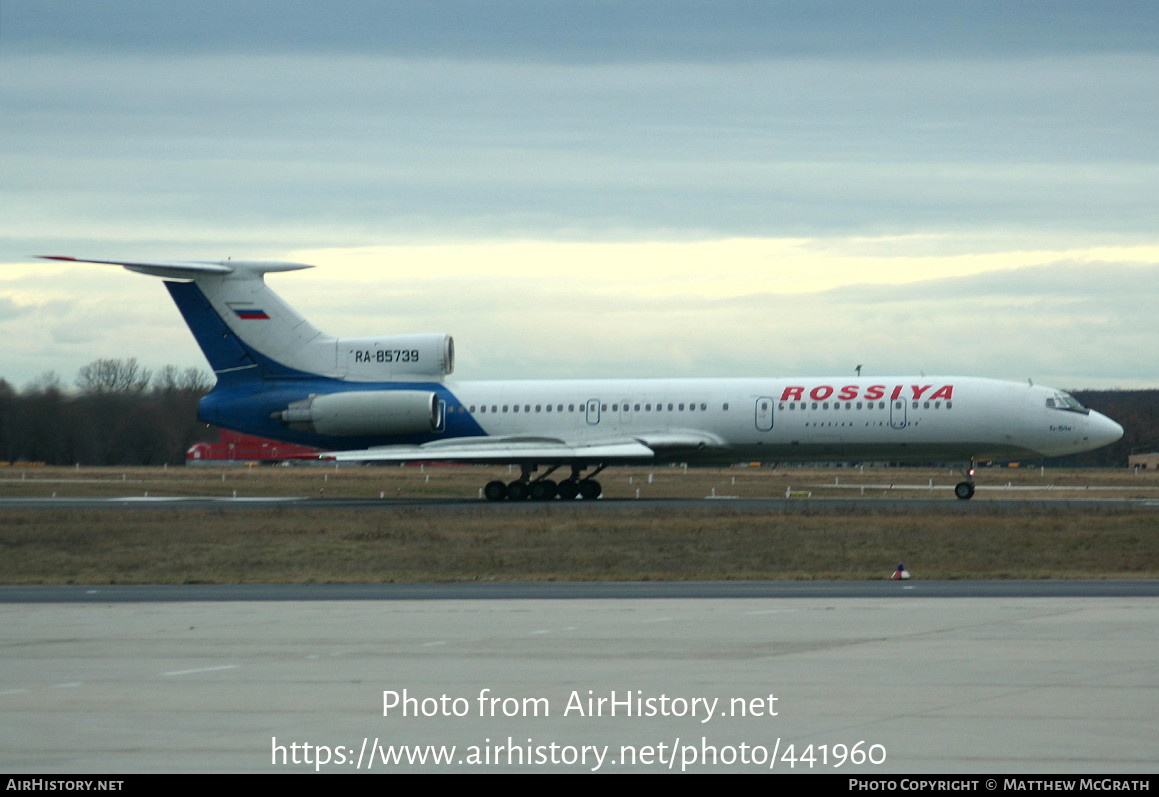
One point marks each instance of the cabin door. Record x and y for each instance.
(764, 414)
(897, 409)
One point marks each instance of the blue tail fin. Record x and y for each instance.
(227, 356)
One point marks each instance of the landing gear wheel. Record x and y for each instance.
(542, 490)
(964, 490)
(495, 491)
(590, 489)
(517, 491)
(568, 490)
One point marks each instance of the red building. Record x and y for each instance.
(232, 447)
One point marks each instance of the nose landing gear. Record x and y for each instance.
(965, 490)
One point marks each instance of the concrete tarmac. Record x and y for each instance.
(787, 684)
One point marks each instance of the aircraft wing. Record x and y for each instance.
(545, 450)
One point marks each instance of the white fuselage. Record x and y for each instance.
(796, 418)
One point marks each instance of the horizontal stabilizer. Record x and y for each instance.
(190, 269)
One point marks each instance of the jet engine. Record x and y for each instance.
(364, 412)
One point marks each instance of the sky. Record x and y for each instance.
(598, 188)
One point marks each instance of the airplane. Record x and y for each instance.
(388, 399)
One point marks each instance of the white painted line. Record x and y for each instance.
(203, 669)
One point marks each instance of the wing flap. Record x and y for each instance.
(516, 449)
(502, 451)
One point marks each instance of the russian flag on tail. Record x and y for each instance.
(251, 314)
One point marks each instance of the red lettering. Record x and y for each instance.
(850, 392)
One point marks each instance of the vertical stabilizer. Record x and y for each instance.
(248, 332)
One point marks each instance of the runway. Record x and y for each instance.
(919, 677)
(946, 505)
(576, 590)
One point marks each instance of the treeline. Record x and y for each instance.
(117, 413)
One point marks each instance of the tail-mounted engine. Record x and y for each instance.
(364, 413)
(427, 356)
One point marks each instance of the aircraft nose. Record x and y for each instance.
(1101, 430)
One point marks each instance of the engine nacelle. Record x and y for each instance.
(364, 413)
(425, 356)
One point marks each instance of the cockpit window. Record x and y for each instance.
(1065, 401)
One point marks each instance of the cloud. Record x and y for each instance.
(575, 188)
(275, 147)
(531, 310)
(569, 31)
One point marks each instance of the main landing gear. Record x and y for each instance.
(965, 490)
(543, 488)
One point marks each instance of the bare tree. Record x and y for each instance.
(113, 376)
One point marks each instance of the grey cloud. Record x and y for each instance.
(585, 31)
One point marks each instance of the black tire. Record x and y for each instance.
(590, 489)
(517, 491)
(964, 490)
(542, 490)
(568, 490)
(495, 491)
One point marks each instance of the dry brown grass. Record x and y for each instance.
(561, 542)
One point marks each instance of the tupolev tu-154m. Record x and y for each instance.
(388, 399)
